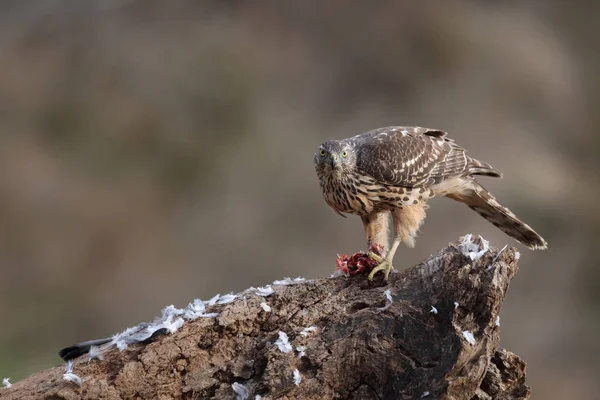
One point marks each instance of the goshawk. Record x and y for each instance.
(395, 170)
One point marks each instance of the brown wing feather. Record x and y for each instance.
(410, 156)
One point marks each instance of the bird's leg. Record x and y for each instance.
(407, 221)
(377, 231)
(385, 264)
(377, 226)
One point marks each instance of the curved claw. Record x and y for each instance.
(375, 257)
(385, 266)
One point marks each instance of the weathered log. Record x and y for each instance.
(430, 332)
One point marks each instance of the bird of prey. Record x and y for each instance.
(395, 170)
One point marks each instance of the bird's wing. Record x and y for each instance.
(409, 156)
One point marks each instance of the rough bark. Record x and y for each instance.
(365, 347)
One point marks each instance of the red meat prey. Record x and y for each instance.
(358, 263)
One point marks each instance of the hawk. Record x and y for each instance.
(395, 170)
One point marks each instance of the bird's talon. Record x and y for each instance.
(375, 257)
(384, 266)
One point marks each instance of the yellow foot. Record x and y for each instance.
(375, 257)
(384, 265)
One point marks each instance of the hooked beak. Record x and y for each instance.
(333, 160)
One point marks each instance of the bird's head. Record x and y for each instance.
(335, 157)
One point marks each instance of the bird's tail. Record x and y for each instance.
(486, 205)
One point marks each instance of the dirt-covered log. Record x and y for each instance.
(432, 332)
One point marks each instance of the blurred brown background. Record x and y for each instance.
(155, 152)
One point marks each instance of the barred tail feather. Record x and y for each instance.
(486, 205)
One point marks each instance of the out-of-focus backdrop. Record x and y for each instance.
(155, 152)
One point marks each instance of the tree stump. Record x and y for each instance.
(431, 332)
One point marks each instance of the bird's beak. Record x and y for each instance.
(333, 160)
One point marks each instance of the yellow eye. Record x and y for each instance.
(322, 153)
(344, 154)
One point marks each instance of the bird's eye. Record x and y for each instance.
(344, 154)
(322, 153)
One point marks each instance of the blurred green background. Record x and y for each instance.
(155, 152)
